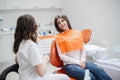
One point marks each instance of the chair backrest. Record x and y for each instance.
(12, 68)
(55, 59)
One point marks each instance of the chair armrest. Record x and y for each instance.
(12, 68)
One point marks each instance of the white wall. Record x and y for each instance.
(102, 16)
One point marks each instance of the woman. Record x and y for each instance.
(70, 47)
(32, 62)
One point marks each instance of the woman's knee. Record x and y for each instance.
(93, 67)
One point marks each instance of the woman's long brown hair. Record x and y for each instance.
(25, 29)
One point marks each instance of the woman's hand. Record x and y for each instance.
(83, 65)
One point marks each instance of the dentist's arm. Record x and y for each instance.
(42, 68)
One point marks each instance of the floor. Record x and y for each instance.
(14, 76)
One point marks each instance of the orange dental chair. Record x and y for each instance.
(54, 58)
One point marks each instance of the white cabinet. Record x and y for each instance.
(51, 3)
(44, 4)
(30, 4)
(2, 4)
(54, 3)
(15, 4)
(33, 4)
(6, 47)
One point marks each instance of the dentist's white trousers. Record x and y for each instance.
(14, 76)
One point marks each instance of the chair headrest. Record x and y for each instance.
(86, 35)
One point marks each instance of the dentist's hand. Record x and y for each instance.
(42, 67)
(46, 58)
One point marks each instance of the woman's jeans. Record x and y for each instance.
(96, 72)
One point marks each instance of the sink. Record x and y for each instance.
(96, 51)
(91, 50)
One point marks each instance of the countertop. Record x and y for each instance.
(6, 33)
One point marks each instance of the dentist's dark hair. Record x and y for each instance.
(56, 24)
(25, 29)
